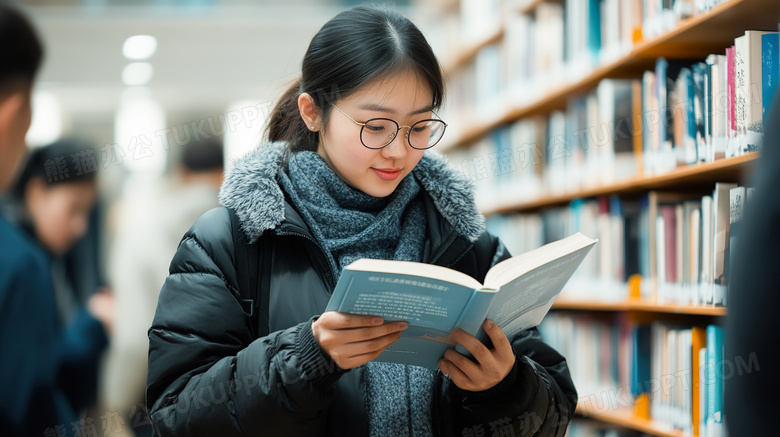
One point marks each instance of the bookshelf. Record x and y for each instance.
(677, 193)
(695, 37)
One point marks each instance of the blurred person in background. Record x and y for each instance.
(42, 381)
(149, 232)
(52, 201)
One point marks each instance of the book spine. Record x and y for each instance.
(714, 380)
(770, 66)
(733, 143)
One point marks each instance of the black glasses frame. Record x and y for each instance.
(397, 129)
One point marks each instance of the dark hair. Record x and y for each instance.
(20, 47)
(204, 155)
(353, 48)
(64, 161)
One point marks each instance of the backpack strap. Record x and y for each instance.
(254, 299)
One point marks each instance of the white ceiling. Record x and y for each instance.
(206, 57)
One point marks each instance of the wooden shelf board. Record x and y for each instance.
(529, 6)
(650, 307)
(693, 38)
(626, 419)
(708, 172)
(471, 50)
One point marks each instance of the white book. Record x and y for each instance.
(702, 392)
(679, 237)
(687, 383)
(660, 263)
(720, 209)
(695, 267)
(706, 250)
(749, 111)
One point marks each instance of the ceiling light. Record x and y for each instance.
(139, 47)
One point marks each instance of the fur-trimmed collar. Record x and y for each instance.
(251, 189)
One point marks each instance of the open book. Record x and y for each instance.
(516, 295)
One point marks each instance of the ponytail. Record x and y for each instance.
(287, 125)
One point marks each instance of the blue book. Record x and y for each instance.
(594, 29)
(770, 66)
(640, 360)
(516, 295)
(661, 68)
(714, 379)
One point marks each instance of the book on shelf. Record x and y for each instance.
(516, 295)
(622, 360)
(714, 381)
(770, 70)
(677, 242)
(749, 110)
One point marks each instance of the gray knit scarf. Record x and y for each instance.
(351, 224)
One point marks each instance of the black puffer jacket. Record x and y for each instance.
(208, 376)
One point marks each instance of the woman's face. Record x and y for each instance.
(60, 213)
(401, 97)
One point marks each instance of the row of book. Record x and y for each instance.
(680, 244)
(559, 41)
(677, 115)
(664, 372)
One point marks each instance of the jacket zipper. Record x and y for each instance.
(330, 277)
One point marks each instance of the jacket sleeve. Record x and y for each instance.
(536, 399)
(207, 376)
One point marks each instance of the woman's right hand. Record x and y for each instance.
(352, 340)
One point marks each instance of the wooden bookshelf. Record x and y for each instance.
(626, 419)
(689, 176)
(639, 306)
(693, 38)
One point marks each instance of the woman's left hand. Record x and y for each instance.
(492, 365)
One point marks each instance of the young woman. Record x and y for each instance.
(346, 176)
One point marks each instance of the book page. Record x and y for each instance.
(518, 265)
(523, 302)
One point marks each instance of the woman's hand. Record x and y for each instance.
(353, 340)
(492, 365)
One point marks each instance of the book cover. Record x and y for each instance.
(736, 209)
(714, 380)
(703, 391)
(732, 146)
(707, 240)
(516, 295)
(640, 360)
(749, 110)
(770, 69)
(699, 128)
(650, 141)
(720, 212)
(698, 343)
(637, 125)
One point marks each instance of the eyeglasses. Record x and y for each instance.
(377, 133)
